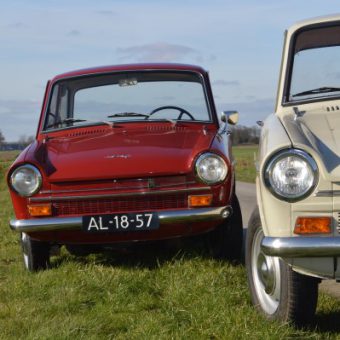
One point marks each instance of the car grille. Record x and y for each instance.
(120, 195)
(121, 204)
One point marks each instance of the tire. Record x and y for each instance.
(277, 291)
(36, 253)
(225, 242)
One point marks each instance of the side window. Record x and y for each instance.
(59, 106)
(63, 109)
(52, 114)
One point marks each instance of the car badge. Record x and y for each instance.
(124, 156)
(151, 183)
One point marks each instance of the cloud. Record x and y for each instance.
(161, 52)
(73, 33)
(17, 25)
(221, 82)
(106, 12)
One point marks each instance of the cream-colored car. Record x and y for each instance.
(293, 237)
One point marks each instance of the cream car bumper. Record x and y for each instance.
(292, 247)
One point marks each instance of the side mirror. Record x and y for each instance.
(230, 116)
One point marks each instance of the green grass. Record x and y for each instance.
(245, 162)
(6, 156)
(153, 292)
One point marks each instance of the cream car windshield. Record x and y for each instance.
(132, 96)
(316, 65)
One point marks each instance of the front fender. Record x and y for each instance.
(275, 214)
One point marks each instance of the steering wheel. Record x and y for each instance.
(180, 109)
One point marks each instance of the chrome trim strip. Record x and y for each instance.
(51, 192)
(46, 224)
(165, 217)
(301, 246)
(327, 193)
(129, 194)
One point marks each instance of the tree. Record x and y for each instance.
(2, 138)
(245, 135)
(24, 141)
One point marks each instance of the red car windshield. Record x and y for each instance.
(129, 96)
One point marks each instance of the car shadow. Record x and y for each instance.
(149, 255)
(328, 322)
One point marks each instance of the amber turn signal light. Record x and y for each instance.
(40, 210)
(199, 200)
(313, 225)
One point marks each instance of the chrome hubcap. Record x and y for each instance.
(266, 276)
(265, 269)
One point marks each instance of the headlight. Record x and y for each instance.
(291, 175)
(26, 180)
(211, 168)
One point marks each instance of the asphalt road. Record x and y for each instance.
(246, 193)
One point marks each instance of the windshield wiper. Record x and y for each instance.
(324, 89)
(135, 114)
(72, 120)
(67, 121)
(128, 114)
(78, 120)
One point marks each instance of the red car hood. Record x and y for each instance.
(121, 154)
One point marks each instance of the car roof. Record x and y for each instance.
(313, 21)
(130, 67)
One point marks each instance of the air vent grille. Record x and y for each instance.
(333, 108)
(86, 132)
(166, 128)
(125, 204)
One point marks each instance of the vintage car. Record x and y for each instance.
(293, 239)
(122, 154)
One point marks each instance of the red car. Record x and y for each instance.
(122, 154)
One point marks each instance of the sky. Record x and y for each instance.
(238, 42)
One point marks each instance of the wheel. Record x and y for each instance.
(276, 290)
(225, 242)
(171, 107)
(36, 253)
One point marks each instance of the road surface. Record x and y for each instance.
(246, 193)
(247, 197)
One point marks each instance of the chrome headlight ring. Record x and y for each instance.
(26, 180)
(211, 168)
(291, 175)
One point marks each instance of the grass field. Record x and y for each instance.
(154, 292)
(245, 156)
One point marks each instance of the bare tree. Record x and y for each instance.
(245, 135)
(2, 139)
(24, 140)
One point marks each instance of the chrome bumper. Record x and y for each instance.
(165, 217)
(301, 246)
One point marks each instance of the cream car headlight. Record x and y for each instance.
(291, 175)
(26, 180)
(211, 168)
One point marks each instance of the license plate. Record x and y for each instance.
(120, 222)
